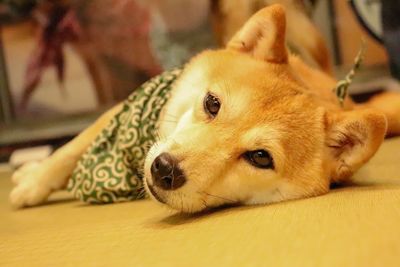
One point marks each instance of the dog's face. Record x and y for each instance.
(250, 132)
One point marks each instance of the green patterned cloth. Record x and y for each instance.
(111, 169)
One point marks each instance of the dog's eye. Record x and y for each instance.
(211, 105)
(259, 158)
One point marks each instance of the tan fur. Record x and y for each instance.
(270, 100)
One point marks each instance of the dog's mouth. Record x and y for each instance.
(155, 195)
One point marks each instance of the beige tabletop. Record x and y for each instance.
(351, 226)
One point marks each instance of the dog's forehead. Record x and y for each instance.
(234, 72)
(254, 83)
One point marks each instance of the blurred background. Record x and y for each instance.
(64, 62)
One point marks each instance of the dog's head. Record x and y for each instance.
(250, 132)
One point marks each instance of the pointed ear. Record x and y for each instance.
(352, 138)
(263, 35)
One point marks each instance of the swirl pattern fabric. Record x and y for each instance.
(111, 169)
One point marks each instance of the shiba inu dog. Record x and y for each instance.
(251, 124)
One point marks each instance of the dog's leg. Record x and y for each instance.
(35, 181)
(389, 104)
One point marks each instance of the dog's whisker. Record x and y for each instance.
(170, 115)
(204, 203)
(181, 201)
(279, 193)
(211, 195)
(171, 121)
(158, 137)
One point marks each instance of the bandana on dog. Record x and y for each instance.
(341, 89)
(111, 169)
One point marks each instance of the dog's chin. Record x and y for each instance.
(175, 202)
(155, 195)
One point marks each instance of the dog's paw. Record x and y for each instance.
(30, 187)
(24, 172)
(28, 194)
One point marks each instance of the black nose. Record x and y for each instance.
(166, 172)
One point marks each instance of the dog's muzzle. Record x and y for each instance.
(166, 173)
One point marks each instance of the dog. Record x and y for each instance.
(247, 124)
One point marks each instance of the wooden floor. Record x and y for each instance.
(352, 226)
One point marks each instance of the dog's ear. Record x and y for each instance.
(263, 35)
(352, 138)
